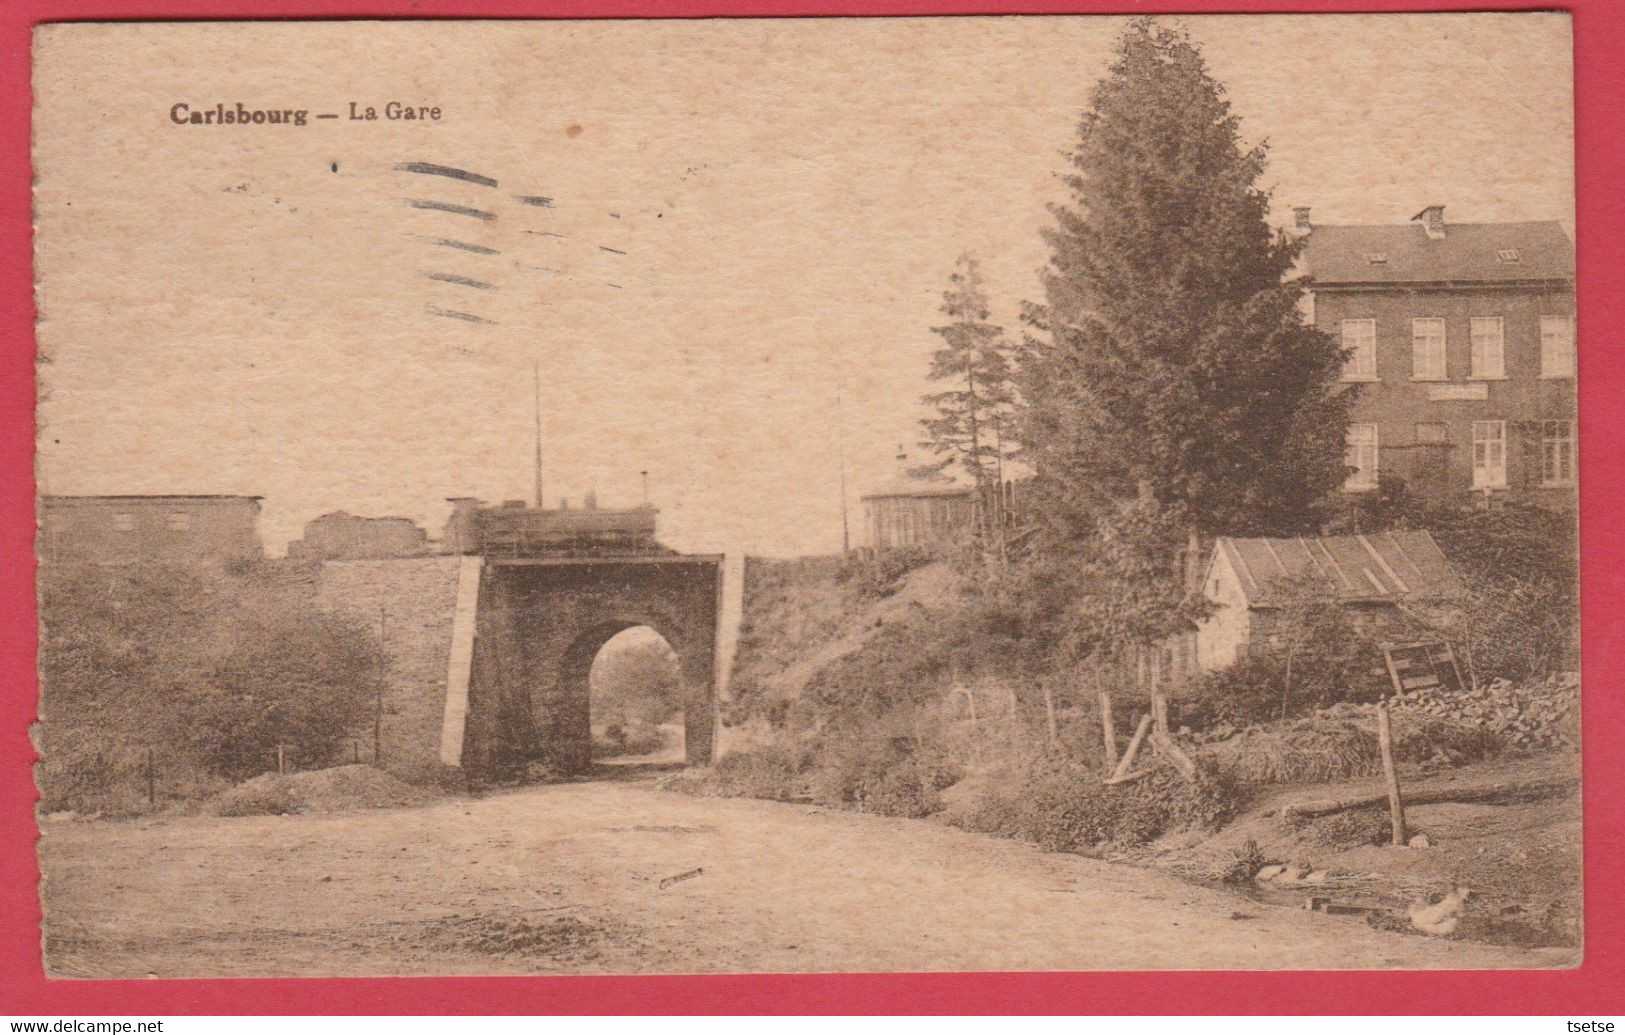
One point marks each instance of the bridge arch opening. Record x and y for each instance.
(636, 699)
(623, 692)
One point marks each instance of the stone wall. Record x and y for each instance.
(410, 602)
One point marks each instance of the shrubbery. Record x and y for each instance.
(1332, 746)
(874, 573)
(1063, 805)
(774, 772)
(209, 671)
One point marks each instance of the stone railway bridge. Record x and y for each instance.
(489, 650)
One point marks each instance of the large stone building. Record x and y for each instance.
(149, 529)
(1462, 340)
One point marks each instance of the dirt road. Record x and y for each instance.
(621, 877)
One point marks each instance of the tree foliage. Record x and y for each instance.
(1169, 388)
(971, 427)
(636, 680)
(208, 670)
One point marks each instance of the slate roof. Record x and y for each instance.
(1468, 252)
(1385, 567)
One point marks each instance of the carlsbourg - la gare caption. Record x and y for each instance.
(239, 114)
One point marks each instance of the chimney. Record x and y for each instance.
(1432, 219)
(1300, 218)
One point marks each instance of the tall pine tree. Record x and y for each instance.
(1170, 388)
(971, 425)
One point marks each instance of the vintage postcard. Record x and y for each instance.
(814, 495)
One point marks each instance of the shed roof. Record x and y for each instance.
(915, 489)
(1468, 252)
(1385, 567)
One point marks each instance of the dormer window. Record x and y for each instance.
(1377, 258)
(1507, 255)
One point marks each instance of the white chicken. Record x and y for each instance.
(1440, 917)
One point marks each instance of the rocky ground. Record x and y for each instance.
(1509, 830)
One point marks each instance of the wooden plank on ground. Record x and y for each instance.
(1127, 761)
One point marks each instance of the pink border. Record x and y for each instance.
(1594, 988)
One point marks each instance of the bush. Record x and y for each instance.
(1063, 805)
(1339, 746)
(886, 770)
(1521, 564)
(209, 670)
(632, 738)
(874, 573)
(775, 772)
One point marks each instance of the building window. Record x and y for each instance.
(1427, 349)
(1489, 347)
(1432, 433)
(1360, 337)
(1489, 454)
(124, 522)
(1556, 346)
(179, 522)
(1361, 454)
(1557, 452)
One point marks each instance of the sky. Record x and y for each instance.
(746, 220)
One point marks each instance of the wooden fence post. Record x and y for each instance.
(1108, 729)
(152, 780)
(1385, 740)
(1049, 710)
(281, 761)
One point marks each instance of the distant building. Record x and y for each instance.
(341, 536)
(513, 529)
(1462, 338)
(153, 529)
(1248, 581)
(916, 512)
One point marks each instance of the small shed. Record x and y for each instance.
(916, 512)
(1374, 575)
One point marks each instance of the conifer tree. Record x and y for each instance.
(1170, 388)
(971, 426)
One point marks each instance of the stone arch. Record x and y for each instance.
(561, 711)
(541, 626)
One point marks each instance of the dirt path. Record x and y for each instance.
(568, 878)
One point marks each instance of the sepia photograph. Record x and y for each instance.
(809, 495)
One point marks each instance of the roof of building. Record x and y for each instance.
(1468, 252)
(346, 516)
(1384, 567)
(916, 489)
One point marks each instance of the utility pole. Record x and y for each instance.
(645, 476)
(840, 440)
(537, 371)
